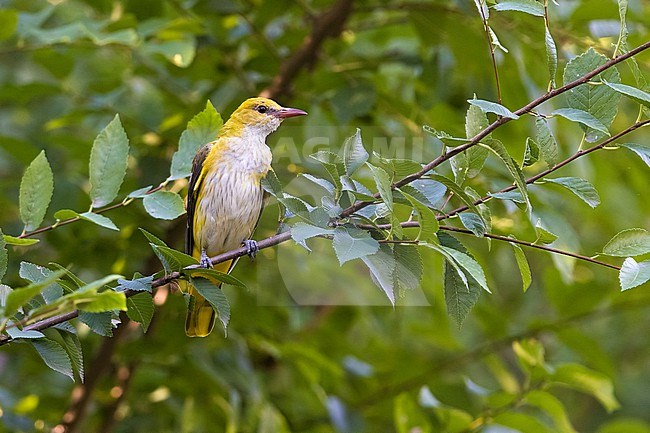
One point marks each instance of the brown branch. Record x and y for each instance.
(328, 24)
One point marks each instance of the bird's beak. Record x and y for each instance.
(284, 112)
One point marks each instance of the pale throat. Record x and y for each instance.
(251, 151)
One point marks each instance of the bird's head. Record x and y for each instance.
(260, 116)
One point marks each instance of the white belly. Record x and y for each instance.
(232, 199)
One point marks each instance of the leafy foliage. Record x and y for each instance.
(374, 212)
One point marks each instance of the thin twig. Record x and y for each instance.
(486, 27)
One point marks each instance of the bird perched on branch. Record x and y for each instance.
(225, 197)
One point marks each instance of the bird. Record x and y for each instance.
(225, 196)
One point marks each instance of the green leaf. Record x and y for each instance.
(352, 243)
(588, 381)
(633, 274)
(531, 7)
(318, 181)
(72, 346)
(108, 160)
(36, 274)
(100, 220)
(271, 184)
(470, 265)
(432, 191)
(152, 238)
(514, 196)
(583, 117)
(138, 284)
(546, 142)
(470, 162)
(36, 188)
(140, 192)
(633, 93)
(300, 232)
(446, 138)
(428, 222)
(213, 274)
(54, 356)
(601, 102)
(524, 268)
(543, 235)
(580, 187)
(553, 407)
(551, 54)
(171, 259)
(460, 294)
(22, 242)
(16, 333)
(165, 205)
(531, 152)
(520, 181)
(21, 296)
(354, 154)
(639, 149)
(8, 23)
(140, 309)
(408, 266)
(107, 300)
(382, 267)
(398, 167)
(630, 242)
(4, 257)
(383, 182)
(332, 164)
(475, 121)
(493, 107)
(473, 223)
(215, 296)
(202, 129)
(99, 323)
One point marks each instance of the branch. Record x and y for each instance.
(328, 24)
(497, 123)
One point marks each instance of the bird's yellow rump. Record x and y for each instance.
(225, 196)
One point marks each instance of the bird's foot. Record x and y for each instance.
(251, 247)
(205, 260)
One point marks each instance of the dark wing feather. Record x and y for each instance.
(193, 194)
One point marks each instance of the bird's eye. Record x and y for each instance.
(261, 109)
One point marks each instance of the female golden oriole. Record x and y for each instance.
(225, 196)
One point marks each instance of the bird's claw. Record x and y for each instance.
(251, 247)
(205, 260)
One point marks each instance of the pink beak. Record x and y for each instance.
(283, 113)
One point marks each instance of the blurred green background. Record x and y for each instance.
(314, 347)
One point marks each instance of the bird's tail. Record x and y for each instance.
(200, 314)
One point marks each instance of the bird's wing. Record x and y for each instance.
(196, 181)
